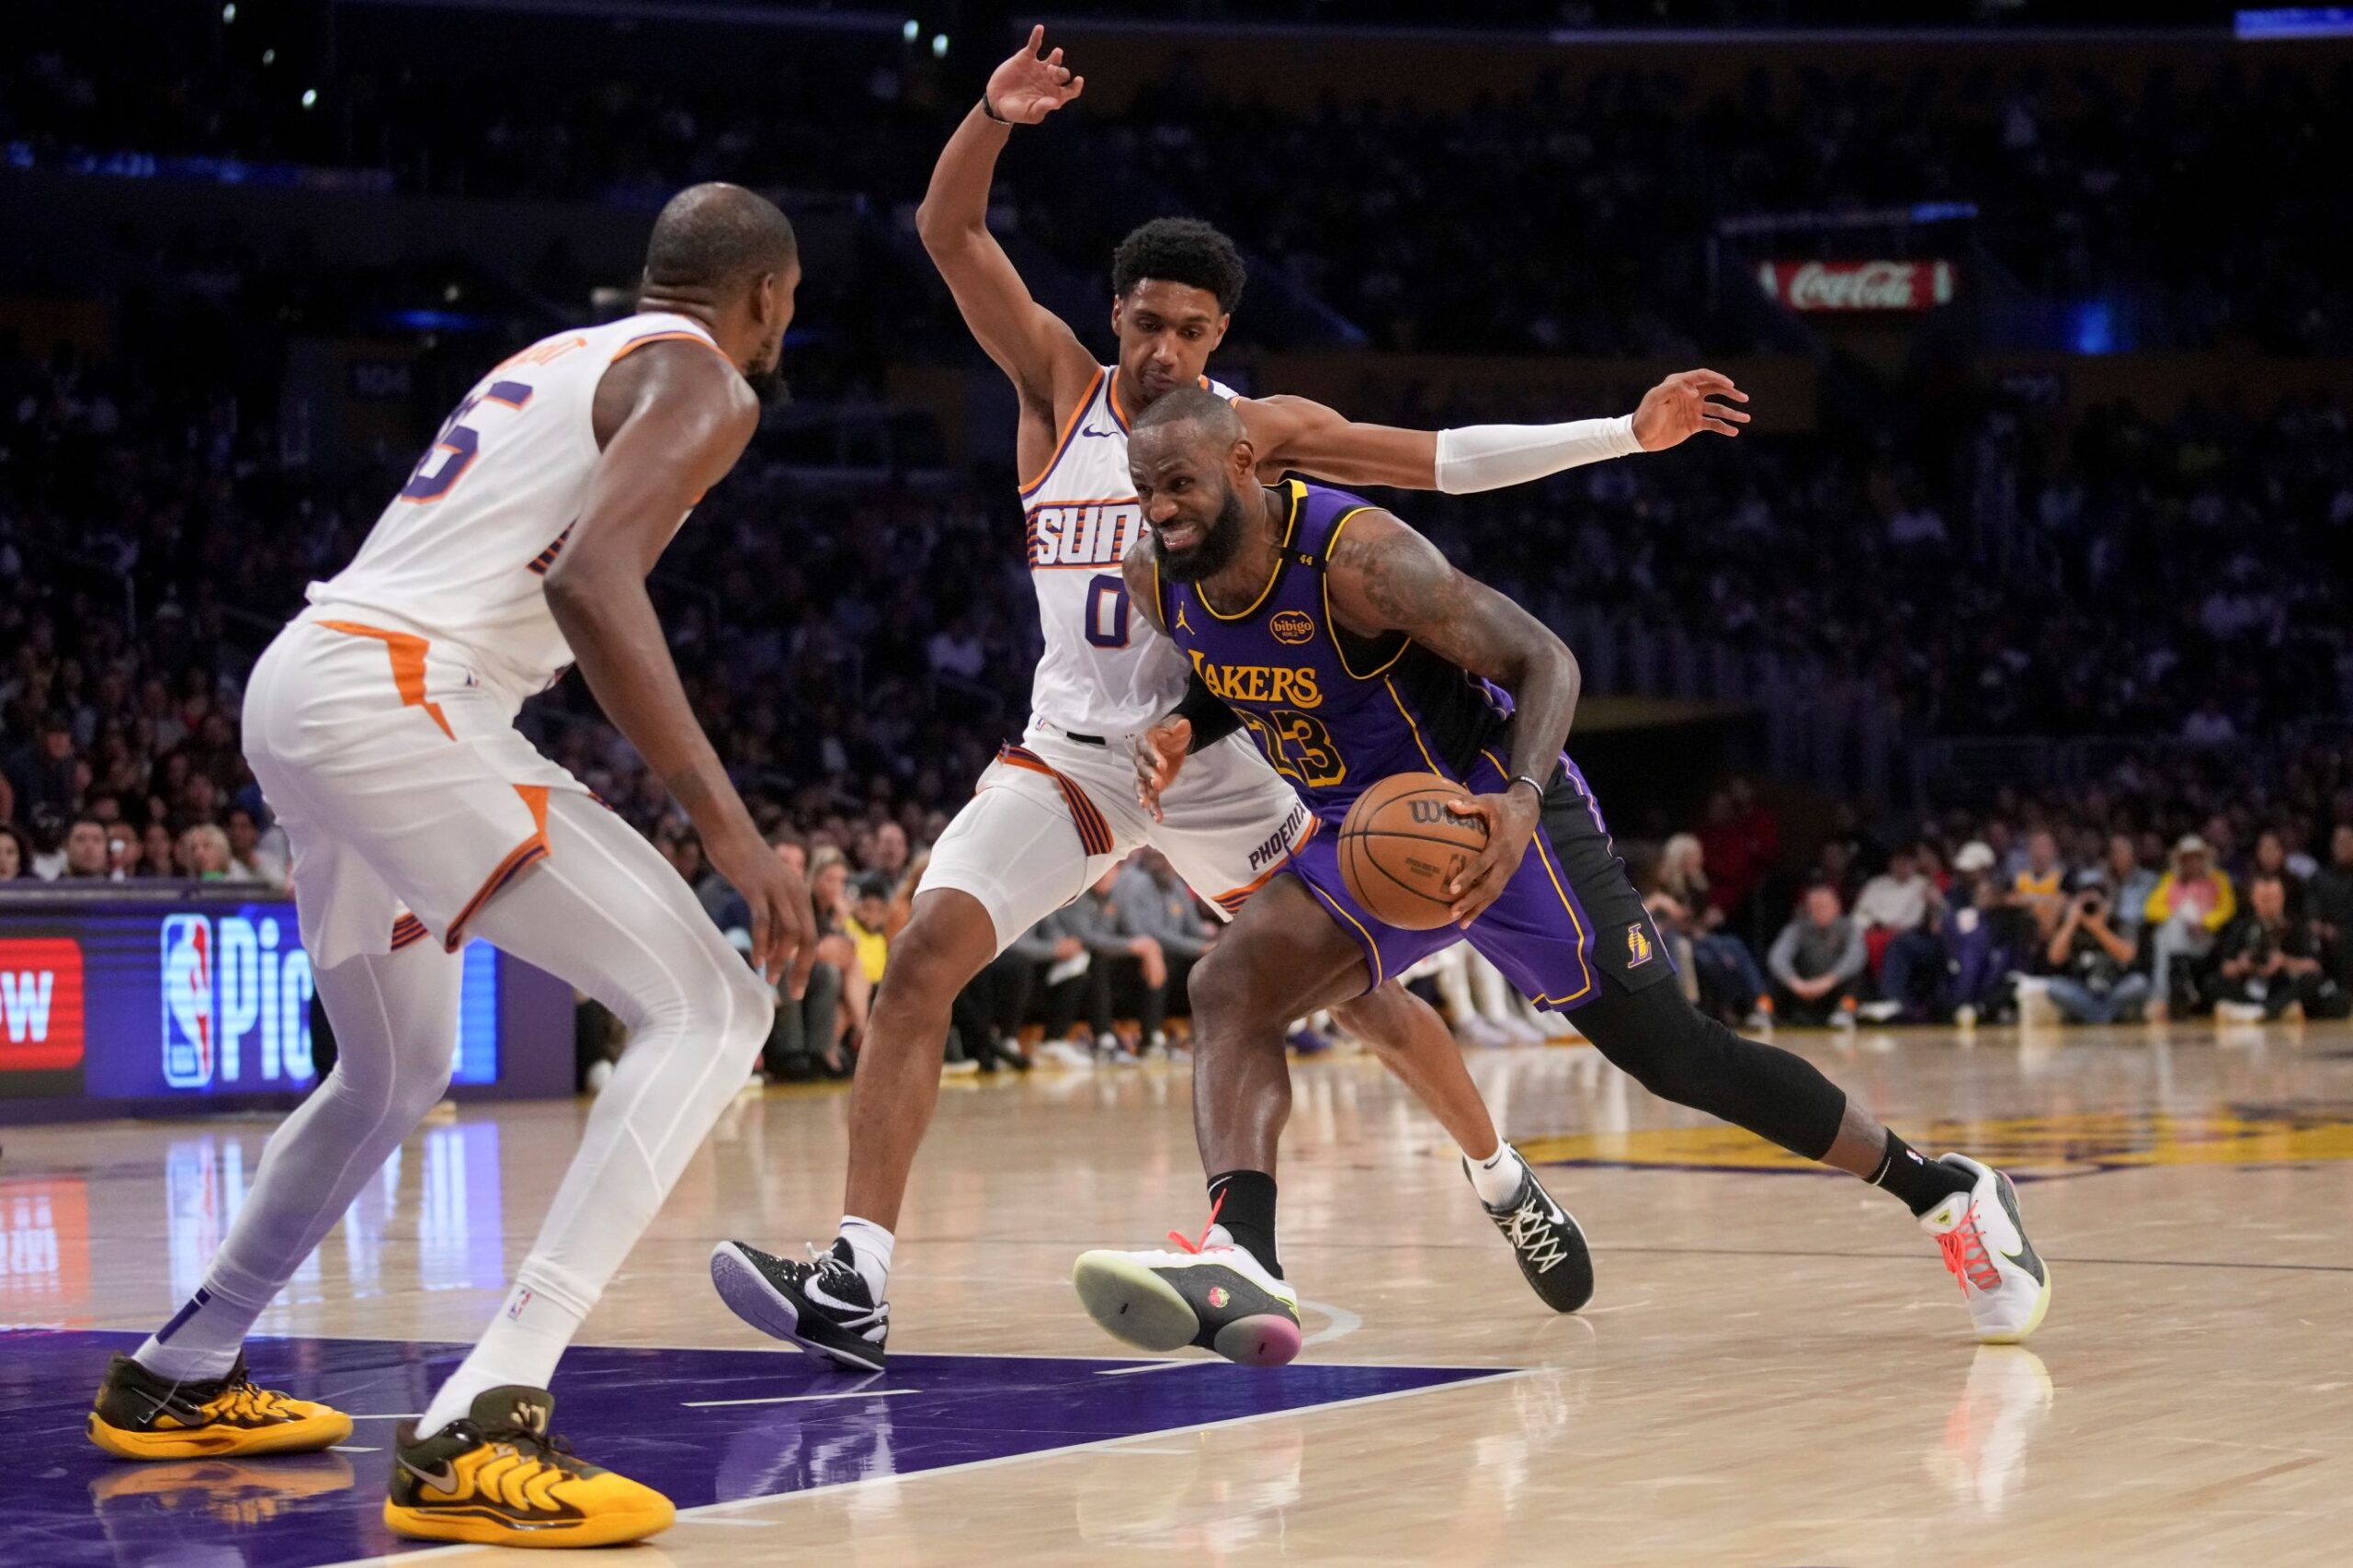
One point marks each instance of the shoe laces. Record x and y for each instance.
(529, 1443)
(1967, 1257)
(1529, 1229)
(839, 1273)
(1197, 1248)
(241, 1399)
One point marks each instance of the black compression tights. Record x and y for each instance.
(1679, 1054)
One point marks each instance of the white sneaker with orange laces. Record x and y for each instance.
(2006, 1282)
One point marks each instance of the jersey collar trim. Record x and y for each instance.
(1282, 560)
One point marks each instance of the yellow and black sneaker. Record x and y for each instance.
(139, 1415)
(499, 1477)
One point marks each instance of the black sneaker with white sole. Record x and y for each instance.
(823, 1305)
(1546, 1242)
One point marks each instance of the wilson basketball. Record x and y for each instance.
(1400, 847)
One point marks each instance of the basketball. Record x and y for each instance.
(1400, 847)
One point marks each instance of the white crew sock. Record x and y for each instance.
(201, 1341)
(520, 1349)
(1497, 1178)
(869, 1248)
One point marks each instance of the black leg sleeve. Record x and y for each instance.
(1678, 1054)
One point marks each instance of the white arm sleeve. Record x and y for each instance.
(1489, 457)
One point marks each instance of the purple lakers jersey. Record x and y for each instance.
(1333, 712)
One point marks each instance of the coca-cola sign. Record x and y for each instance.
(1857, 284)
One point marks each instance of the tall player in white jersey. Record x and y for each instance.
(1053, 812)
(380, 724)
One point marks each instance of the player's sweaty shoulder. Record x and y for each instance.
(682, 380)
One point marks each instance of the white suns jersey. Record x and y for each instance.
(462, 554)
(1107, 669)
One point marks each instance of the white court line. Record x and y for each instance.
(385, 1414)
(794, 1398)
(1343, 1323)
(709, 1510)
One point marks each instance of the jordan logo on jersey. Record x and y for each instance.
(1089, 533)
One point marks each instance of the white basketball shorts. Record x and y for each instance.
(394, 764)
(1053, 814)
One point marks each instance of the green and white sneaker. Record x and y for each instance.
(1216, 1296)
(2006, 1282)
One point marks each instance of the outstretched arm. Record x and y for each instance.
(1048, 364)
(1385, 578)
(1298, 433)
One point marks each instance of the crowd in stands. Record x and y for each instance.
(1411, 220)
(2145, 896)
(2075, 177)
(152, 536)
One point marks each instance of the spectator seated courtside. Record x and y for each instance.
(1817, 961)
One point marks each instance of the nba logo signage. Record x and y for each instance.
(236, 1010)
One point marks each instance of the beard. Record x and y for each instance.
(1218, 546)
(768, 383)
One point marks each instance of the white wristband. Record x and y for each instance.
(1489, 457)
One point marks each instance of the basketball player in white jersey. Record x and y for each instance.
(380, 724)
(1054, 813)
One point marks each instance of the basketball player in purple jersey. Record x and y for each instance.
(1351, 651)
(1058, 809)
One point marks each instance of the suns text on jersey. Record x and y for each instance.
(1082, 533)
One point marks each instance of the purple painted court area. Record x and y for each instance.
(704, 1425)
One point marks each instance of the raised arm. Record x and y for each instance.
(673, 419)
(1385, 578)
(1299, 435)
(1049, 366)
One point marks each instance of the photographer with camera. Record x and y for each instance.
(2269, 965)
(2093, 980)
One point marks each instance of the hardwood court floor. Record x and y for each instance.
(1776, 1370)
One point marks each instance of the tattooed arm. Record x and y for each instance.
(1385, 578)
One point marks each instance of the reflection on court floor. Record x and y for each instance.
(1773, 1370)
(2067, 1143)
(705, 1426)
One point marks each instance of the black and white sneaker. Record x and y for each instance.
(1546, 1241)
(823, 1305)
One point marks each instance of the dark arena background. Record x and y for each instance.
(1978, 726)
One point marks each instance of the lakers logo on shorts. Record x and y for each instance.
(1637, 947)
(1293, 625)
